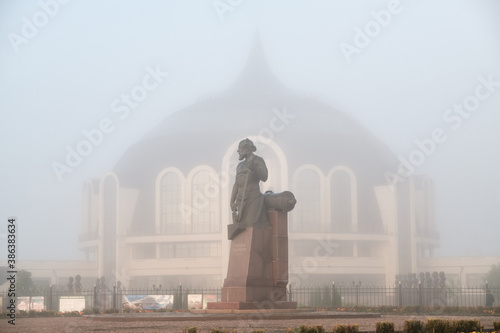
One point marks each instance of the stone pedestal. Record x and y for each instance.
(250, 273)
(279, 224)
(258, 268)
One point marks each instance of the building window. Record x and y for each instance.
(190, 250)
(364, 249)
(171, 197)
(475, 279)
(313, 248)
(308, 214)
(424, 212)
(144, 251)
(340, 202)
(109, 205)
(91, 227)
(109, 224)
(205, 194)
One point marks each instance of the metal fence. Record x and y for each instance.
(396, 296)
(113, 299)
(328, 296)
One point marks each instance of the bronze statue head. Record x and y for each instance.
(246, 148)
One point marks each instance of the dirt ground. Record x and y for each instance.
(88, 324)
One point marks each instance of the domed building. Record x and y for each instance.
(160, 216)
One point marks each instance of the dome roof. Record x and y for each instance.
(311, 132)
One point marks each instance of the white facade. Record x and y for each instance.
(189, 242)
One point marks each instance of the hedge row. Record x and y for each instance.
(451, 310)
(410, 326)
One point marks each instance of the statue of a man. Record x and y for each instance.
(70, 284)
(78, 284)
(247, 202)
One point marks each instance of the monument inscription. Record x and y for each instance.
(238, 248)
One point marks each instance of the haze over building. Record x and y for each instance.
(160, 216)
(340, 121)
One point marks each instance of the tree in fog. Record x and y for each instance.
(24, 283)
(493, 277)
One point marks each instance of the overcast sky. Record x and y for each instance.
(408, 71)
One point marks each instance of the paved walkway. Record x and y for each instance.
(150, 325)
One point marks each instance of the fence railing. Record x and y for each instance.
(396, 296)
(328, 296)
(96, 299)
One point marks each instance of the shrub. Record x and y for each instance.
(317, 329)
(411, 309)
(345, 329)
(361, 308)
(496, 325)
(437, 326)
(466, 326)
(326, 297)
(70, 314)
(218, 330)
(258, 331)
(384, 327)
(307, 329)
(87, 312)
(386, 309)
(46, 313)
(451, 309)
(23, 313)
(192, 329)
(339, 329)
(413, 326)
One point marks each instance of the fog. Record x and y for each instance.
(429, 66)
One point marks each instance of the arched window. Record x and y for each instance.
(340, 202)
(109, 200)
(274, 166)
(205, 194)
(170, 204)
(308, 192)
(109, 197)
(89, 229)
(427, 208)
